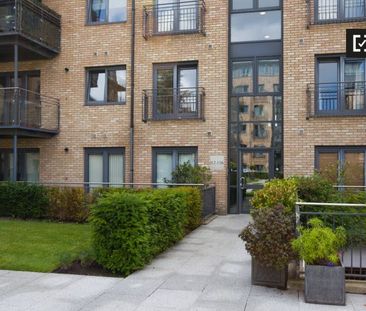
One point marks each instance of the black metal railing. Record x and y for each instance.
(335, 11)
(32, 20)
(209, 201)
(174, 18)
(20, 108)
(173, 104)
(353, 218)
(329, 99)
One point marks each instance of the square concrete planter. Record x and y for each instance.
(269, 276)
(325, 285)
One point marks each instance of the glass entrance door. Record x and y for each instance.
(255, 169)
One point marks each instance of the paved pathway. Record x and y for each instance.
(208, 270)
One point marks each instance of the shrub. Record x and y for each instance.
(188, 174)
(277, 191)
(132, 226)
(22, 200)
(68, 204)
(121, 233)
(315, 189)
(319, 245)
(268, 238)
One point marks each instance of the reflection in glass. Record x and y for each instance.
(242, 4)
(116, 86)
(268, 3)
(354, 8)
(242, 77)
(328, 166)
(328, 85)
(187, 90)
(269, 75)
(165, 84)
(354, 168)
(354, 88)
(117, 11)
(98, 11)
(256, 26)
(327, 9)
(96, 86)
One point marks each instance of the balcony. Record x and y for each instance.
(33, 26)
(335, 11)
(339, 98)
(174, 18)
(28, 114)
(173, 104)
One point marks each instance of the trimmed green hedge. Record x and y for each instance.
(131, 227)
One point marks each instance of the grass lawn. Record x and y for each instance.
(41, 246)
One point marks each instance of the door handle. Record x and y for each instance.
(242, 182)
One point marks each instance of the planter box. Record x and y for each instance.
(325, 285)
(269, 276)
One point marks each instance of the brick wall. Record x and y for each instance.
(108, 126)
(301, 45)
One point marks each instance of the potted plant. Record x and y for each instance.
(268, 240)
(319, 246)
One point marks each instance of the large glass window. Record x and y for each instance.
(342, 165)
(256, 26)
(256, 76)
(28, 165)
(107, 11)
(341, 86)
(106, 85)
(166, 160)
(176, 91)
(104, 167)
(328, 10)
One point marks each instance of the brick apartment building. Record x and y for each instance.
(122, 91)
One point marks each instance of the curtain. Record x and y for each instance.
(116, 170)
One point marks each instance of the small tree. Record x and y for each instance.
(188, 174)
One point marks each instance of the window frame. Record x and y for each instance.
(255, 7)
(174, 151)
(176, 70)
(341, 59)
(89, 22)
(105, 102)
(340, 14)
(22, 151)
(255, 76)
(105, 152)
(341, 151)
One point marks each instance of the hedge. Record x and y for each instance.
(131, 227)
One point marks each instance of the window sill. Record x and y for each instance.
(339, 21)
(104, 23)
(104, 104)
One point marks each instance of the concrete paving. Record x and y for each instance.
(208, 270)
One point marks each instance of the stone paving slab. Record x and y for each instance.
(208, 271)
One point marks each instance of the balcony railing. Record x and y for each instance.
(32, 20)
(174, 18)
(173, 104)
(20, 108)
(335, 11)
(342, 98)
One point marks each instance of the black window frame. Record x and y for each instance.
(89, 21)
(340, 150)
(176, 69)
(105, 102)
(174, 151)
(105, 152)
(340, 14)
(255, 7)
(341, 59)
(21, 160)
(255, 76)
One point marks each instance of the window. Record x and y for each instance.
(176, 93)
(107, 11)
(104, 167)
(254, 4)
(256, 76)
(166, 160)
(28, 165)
(176, 16)
(256, 26)
(330, 10)
(342, 165)
(106, 86)
(341, 86)
(260, 131)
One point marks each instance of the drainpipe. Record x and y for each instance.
(132, 112)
